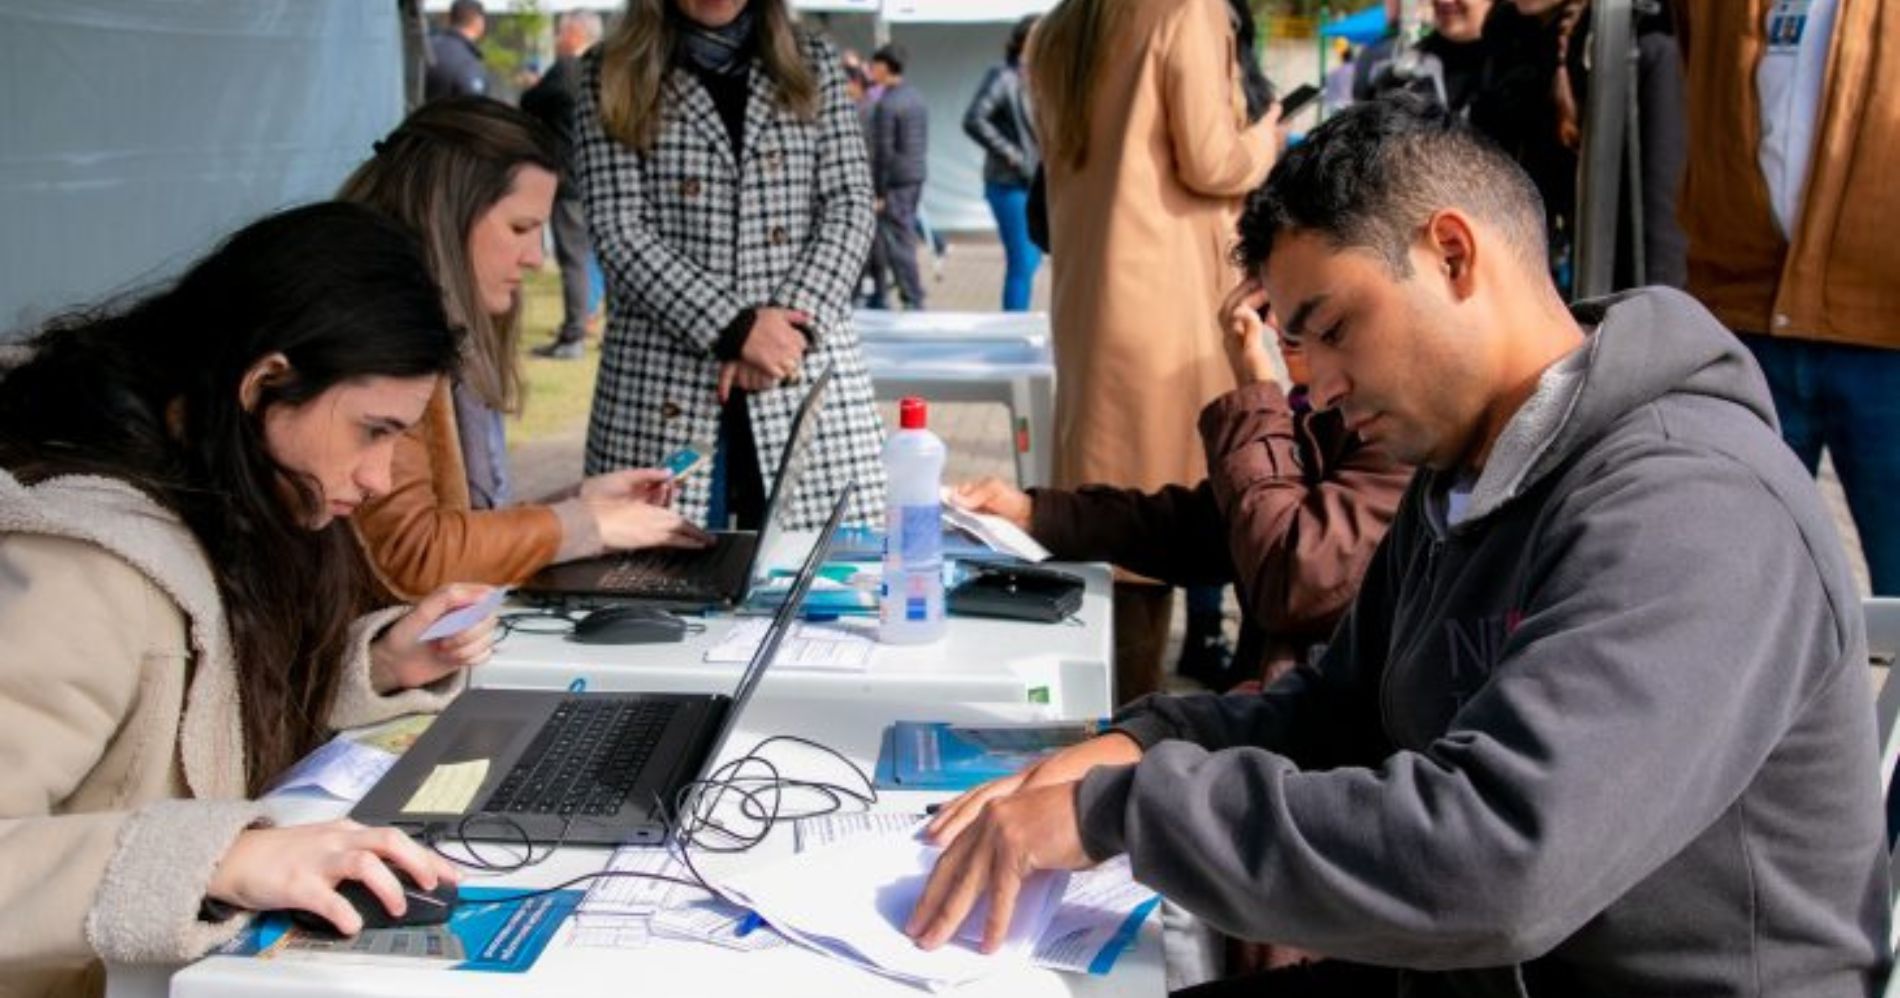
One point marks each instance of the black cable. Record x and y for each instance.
(693, 818)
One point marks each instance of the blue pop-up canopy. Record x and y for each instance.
(1363, 28)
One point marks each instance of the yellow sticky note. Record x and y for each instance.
(449, 789)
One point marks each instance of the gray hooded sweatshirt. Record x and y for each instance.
(1609, 733)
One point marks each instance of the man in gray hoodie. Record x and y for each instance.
(1599, 720)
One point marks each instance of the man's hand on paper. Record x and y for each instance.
(401, 659)
(1013, 836)
(1062, 768)
(997, 497)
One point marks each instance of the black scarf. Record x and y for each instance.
(723, 51)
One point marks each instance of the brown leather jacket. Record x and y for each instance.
(423, 534)
(1291, 512)
(1839, 278)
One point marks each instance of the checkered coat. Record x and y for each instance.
(688, 236)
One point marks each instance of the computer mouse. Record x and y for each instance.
(425, 907)
(628, 625)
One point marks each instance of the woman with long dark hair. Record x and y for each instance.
(730, 202)
(475, 180)
(179, 595)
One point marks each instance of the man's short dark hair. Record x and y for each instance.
(464, 12)
(893, 56)
(1373, 174)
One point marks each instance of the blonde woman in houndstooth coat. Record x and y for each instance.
(730, 203)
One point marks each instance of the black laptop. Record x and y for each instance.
(720, 575)
(573, 768)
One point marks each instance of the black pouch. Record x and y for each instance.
(1018, 593)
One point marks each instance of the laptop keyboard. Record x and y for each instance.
(585, 759)
(673, 571)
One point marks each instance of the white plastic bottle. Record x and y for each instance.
(911, 610)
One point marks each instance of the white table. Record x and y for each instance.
(668, 968)
(1001, 357)
(1068, 666)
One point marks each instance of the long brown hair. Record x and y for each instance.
(638, 53)
(147, 393)
(438, 173)
(1065, 49)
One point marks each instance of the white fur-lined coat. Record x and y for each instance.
(120, 738)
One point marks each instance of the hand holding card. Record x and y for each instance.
(447, 631)
(456, 621)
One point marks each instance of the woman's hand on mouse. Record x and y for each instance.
(626, 524)
(399, 659)
(299, 867)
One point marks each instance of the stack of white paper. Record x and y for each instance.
(852, 902)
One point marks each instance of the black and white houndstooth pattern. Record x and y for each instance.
(688, 237)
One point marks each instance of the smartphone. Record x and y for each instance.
(1296, 99)
(686, 460)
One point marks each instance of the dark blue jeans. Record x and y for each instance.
(1846, 399)
(1010, 205)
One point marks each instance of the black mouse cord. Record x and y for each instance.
(755, 783)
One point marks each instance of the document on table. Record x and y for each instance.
(711, 920)
(1097, 918)
(851, 903)
(824, 829)
(819, 647)
(636, 895)
(994, 531)
(347, 766)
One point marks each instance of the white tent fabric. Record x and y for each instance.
(135, 133)
(952, 44)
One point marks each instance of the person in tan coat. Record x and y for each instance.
(475, 179)
(179, 599)
(1789, 204)
(1148, 152)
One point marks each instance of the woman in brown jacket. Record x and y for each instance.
(1291, 510)
(1147, 152)
(475, 179)
(178, 599)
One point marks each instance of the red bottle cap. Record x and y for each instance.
(912, 413)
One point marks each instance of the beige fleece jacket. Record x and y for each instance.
(120, 738)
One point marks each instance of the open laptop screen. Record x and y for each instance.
(791, 467)
(782, 622)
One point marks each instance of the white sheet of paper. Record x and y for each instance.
(1088, 916)
(634, 895)
(341, 768)
(852, 903)
(456, 621)
(610, 932)
(819, 647)
(999, 534)
(714, 921)
(824, 829)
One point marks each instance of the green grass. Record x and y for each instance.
(559, 392)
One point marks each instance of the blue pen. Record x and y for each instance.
(748, 924)
(579, 685)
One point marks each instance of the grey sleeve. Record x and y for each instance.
(1322, 714)
(1544, 801)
